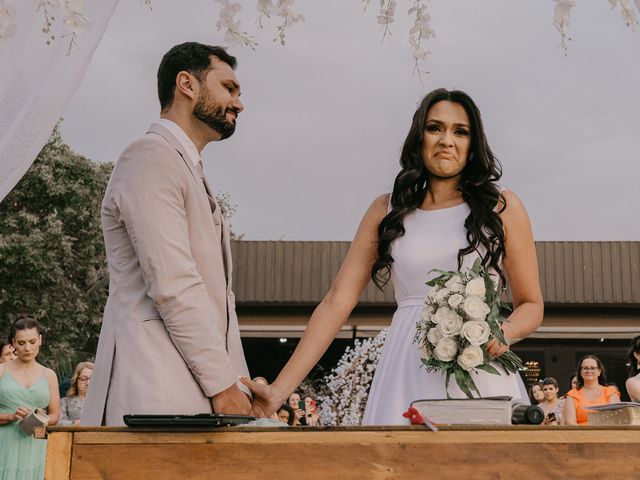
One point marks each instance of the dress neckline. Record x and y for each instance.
(7, 372)
(441, 209)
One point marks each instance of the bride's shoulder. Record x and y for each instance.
(383, 201)
(512, 211)
(381, 204)
(509, 202)
(378, 209)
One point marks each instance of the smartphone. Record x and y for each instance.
(302, 405)
(551, 417)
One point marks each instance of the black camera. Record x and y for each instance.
(522, 414)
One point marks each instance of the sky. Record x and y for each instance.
(326, 114)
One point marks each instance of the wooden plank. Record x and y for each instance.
(550, 276)
(270, 271)
(515, 435)
(288, 274)
(542, 265)
(625, 272)
(578, 272)
(616, 272)
(368, 460)
(59, 453)
(560, 272)
(635, 271)
(279, 280)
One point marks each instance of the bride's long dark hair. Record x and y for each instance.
(477, 185)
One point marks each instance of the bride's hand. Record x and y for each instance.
(495, 348)
(266, 399)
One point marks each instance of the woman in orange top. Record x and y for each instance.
(592, 389)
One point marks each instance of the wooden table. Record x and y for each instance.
(456, 452)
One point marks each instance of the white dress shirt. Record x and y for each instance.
(183, 138)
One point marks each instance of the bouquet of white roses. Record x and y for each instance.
(461, 314)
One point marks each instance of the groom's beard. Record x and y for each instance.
(214, 115)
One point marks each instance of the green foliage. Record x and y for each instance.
(52, 258)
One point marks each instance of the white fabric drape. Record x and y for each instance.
(38, 80)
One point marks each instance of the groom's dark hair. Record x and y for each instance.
(192, 57)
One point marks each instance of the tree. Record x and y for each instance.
(52, 258)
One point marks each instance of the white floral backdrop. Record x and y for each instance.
(45, 49)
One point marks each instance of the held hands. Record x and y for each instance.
(231, 401)
(266, 399)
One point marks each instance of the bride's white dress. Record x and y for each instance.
(431, 240)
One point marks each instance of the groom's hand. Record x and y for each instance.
(231, 401)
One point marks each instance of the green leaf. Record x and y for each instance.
(446, 382)
(461, 380)
(477, 266)
(488, 368)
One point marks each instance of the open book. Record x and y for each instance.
(466, 411)
(621, 413)
(37, 418)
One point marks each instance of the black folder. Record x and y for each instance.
(179, 421)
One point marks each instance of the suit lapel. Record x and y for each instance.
(218, 220)
(198, 176)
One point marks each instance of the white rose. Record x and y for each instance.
(471, 357)
(475, 288)
(431, 296)
(427, 314)
(477, 333)
(441, 296)
(434, 335)
(449, 322)
(455, 300)
(446, 349)
(475, 308)
(455, 284)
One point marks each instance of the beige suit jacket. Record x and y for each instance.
(170, 338)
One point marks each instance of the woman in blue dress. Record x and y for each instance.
(24, 386)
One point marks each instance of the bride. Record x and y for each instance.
(445, 211)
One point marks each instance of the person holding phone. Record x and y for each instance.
(551, 404)
(311, 411)
(297, 405)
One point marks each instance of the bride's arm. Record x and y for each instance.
(520, 266)
(330, 315)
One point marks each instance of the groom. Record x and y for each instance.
(170, 341)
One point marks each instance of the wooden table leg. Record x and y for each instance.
(59, 450)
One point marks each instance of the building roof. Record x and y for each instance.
(301, 272)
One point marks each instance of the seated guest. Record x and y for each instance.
(286, 415)
(592, 389)
(71, 405)
(6, 352)
(536, 395)
(552, 405)
(633, 383)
